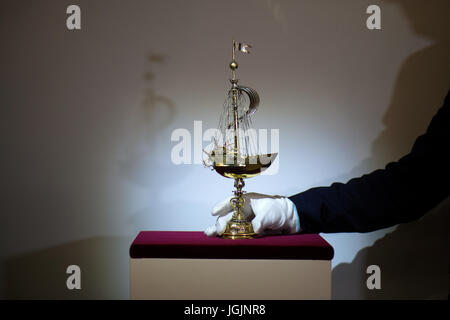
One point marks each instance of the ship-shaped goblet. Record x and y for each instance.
(234, 153)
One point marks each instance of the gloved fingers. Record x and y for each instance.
(248, 211)
(219, 227)
(263, 216)
(211, 231)
(293, 217)
(257, 225)
(255, 195)
(221, 223)
(274, 215)
(222, 208)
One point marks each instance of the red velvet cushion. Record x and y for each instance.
(193, 244)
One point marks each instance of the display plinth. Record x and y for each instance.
(190, 265)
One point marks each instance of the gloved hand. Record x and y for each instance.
(270, 214)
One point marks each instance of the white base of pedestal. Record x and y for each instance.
(229, 279)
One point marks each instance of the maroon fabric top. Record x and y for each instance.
(194, 244)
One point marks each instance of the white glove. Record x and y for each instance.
(271, 215)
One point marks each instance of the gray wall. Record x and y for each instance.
(87, 115)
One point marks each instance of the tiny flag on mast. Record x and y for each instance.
(242, 47)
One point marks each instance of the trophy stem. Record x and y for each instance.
(238, 227)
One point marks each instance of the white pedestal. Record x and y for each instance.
(229, 279)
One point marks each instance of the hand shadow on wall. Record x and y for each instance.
(414, 262)
(414, 258)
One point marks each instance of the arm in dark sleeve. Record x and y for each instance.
(404, 191)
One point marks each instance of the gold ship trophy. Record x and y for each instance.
(234, 153)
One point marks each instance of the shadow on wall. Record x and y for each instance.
(414, 259)
(414, 262)
(156, 114)
(143, 166)
(103, 260)
(42, 274)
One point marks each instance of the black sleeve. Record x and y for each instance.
(404, 191)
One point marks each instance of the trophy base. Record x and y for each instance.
(239, 230)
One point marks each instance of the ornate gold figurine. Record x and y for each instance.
(234, 152)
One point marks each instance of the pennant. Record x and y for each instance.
(242, 47)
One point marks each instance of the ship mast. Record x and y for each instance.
(233, 67)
